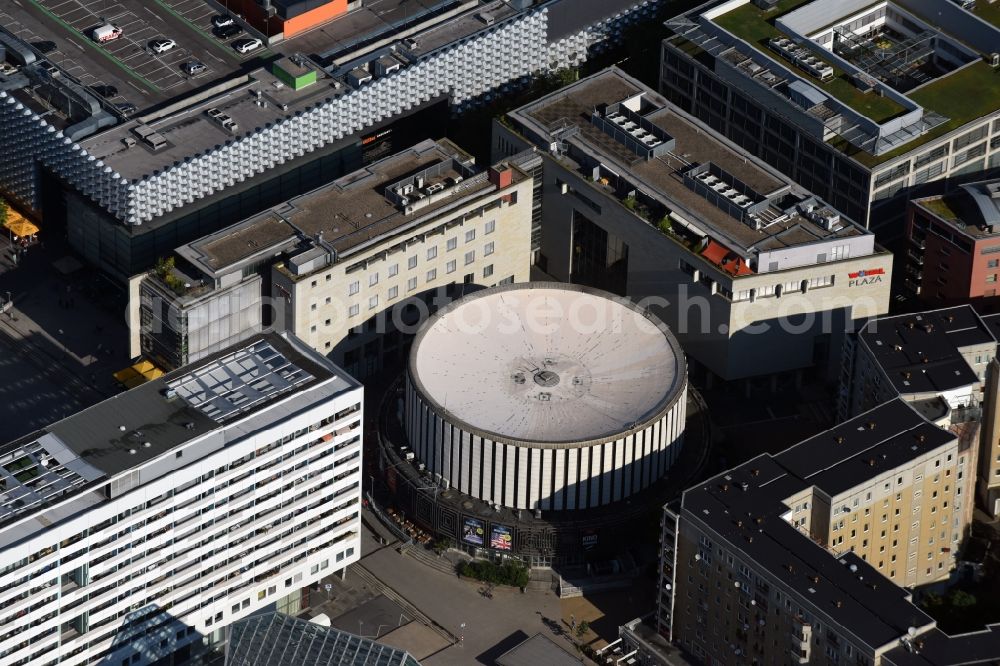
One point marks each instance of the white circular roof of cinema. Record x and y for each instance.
(547, 364)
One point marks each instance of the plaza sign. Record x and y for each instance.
(870, 276)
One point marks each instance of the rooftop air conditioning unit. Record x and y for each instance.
(993, 59)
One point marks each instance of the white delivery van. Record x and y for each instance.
(106, 33)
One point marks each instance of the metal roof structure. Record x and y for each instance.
(276, 639)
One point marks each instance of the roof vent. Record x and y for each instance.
(122, 428)
(921, 437)
(950, 318)
(132, 451)
(759, 520)
(146, 445)
(839, 439)
(871, 462)
(189, 425)
(910, 325)
(814, 579)
(724, 487)
(871, 425)
(755, 472)
(838, 603)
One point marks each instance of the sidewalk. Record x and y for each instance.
(65, 338)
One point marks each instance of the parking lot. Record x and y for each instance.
(128, 63)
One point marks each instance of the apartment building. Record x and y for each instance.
(864, 104)
(943, 362)
(755, 275)
(351, 267)
(136, 531)
(802, 557)
(953, 245)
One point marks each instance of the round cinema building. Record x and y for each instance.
(530, 406)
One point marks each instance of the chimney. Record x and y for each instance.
(501, 176)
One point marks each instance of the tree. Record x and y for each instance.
(582, 628)
(630, 202)
(665, 225)
(962, 599)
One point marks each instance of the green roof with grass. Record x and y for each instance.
(989, 12)
(961, 96)
(756, 27)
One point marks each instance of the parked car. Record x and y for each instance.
(247, 45)
(105, 33)
(162, 45)
(194, 68)
(126, 108)
(105, 91)
(227, 31)
(222, 20)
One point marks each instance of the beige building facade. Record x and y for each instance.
(802, 557)
(353, 267)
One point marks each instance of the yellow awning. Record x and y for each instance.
(137, 374)
(19, 226)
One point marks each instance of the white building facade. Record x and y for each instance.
(246, 489)
(464, 70)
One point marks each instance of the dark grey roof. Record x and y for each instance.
(921, 352)
(149, 415)
(276, 639)
(745, 505)
(539, 649)
(936, 648)
(569, 17)
(863, 448)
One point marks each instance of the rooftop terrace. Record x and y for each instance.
(352, 211)
(959, 96)
(756, 26)
(972, 210)
(673, 152)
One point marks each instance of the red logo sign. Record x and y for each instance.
(868, 273)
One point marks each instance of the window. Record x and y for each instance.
(373, 279)
(353, 310)
(412, 262)
(432, 252)
(393, 292)
(329, 277)
(411, 284)
(432, 275)
(490, 226)
(470, 257)
(354, 288)
(452, 243)
(327, 322)
(313, 284)
(394, 270)
(470, 235)
(373, 302)
(450, 268)
(313, 307)
(488, 249)
(488, 271)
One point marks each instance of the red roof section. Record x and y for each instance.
(726, 259)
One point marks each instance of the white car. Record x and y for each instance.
(162, 45)
(247, 45)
